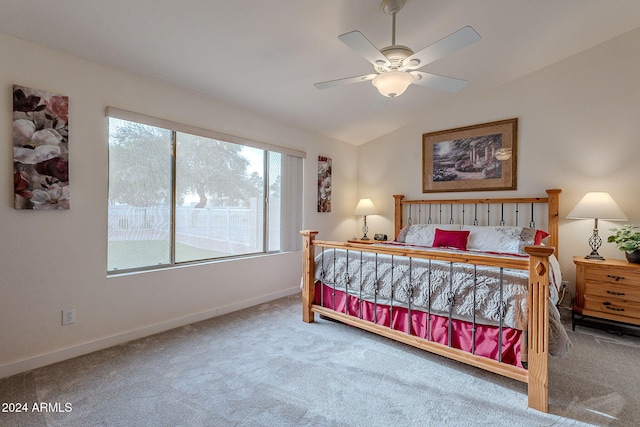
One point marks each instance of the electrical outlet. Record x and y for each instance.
(68, 316)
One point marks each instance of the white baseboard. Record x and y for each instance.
(106, 342)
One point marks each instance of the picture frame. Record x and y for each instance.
(325, 170)
(40, 149)
(480, 157)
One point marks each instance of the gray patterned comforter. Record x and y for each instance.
(489, 293)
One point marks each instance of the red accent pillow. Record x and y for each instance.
(539, 236)
(451, 239)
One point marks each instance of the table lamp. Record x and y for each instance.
(597, 205)
(365, 207)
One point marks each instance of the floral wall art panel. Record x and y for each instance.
(40, 149)
(324, 184)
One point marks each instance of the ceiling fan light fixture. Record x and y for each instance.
(392, 83)
(396, 66)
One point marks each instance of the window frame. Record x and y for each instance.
(175, 128)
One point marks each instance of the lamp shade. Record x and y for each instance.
(392, 83)
(365, 207)
(597, 205)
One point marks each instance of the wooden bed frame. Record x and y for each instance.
(536, 353)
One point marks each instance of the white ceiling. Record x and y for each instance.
(265, 55)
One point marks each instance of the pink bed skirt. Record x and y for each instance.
(486, 339)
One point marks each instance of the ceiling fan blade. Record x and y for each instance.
(453, 42)
(346, 81)
(358, 42)
(438, 82)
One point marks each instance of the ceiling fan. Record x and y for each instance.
(396, 65)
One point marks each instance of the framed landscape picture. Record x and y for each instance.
(473, 158)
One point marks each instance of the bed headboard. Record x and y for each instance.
(524, 211)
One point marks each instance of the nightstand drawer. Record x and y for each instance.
(617, 291)
(608, 290)
(613, 275)
(617, 307)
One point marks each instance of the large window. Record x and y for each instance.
(179, 194)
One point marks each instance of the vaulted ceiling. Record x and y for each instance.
(265, 55)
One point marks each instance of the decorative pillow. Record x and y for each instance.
(402, 236)
(451, 239)
(539, 236)
(502, 239)
(423, 234)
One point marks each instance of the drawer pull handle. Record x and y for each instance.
(615, 293)
(617, 278)
(608, 306)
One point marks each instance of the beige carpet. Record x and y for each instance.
(265, 367)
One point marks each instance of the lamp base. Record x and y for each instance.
(595, 242)
(595, 256)
(365, 229)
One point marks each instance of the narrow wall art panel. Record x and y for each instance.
(324, 184)
(40, 149)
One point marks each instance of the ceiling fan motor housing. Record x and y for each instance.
(395, 56)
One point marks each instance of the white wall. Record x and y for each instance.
(51, 260)
(579, 130)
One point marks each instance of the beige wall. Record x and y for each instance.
(579, 130)
(55, 260)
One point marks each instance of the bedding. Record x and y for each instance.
(500, 239)
(496, 239)
(451, 239)
(423, 234)
(478, 339)
(470, 293)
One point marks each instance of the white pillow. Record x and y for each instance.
(402, 236)
(423, 234)
(499, 238)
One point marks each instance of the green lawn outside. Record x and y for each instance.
(124, 254)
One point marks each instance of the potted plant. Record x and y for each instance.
(627, 239)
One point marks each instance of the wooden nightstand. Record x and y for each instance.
(607, 290)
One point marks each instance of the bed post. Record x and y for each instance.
(397, 216)
(538, 366)
(554, 218)
(308, 274)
